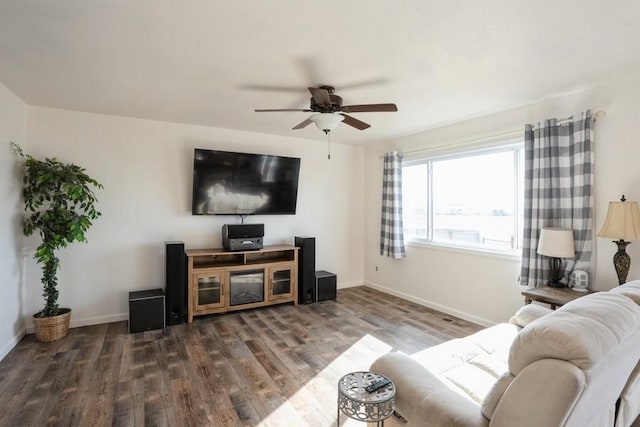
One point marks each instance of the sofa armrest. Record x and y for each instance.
(560, 383)
(423, 399)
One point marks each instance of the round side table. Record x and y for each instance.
(356, 403)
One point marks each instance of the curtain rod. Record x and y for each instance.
(598, 115)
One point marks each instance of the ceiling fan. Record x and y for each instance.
(329, 110)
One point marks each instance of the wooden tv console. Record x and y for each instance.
(219, 281)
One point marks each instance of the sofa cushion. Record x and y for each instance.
(582, 332)
(470, 366)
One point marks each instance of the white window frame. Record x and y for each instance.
(516, 145)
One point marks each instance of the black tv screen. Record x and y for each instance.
(227, 183)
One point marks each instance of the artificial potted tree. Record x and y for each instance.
(60, 203)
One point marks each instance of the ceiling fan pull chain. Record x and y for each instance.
(329, 145)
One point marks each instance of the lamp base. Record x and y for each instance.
(621, 261)
(556, 273)
(556, 284)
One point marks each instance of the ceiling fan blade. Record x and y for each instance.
(365, 108)
(320, 96)
(358, 124)
(364, 83)
(303, 124)
(282, 109)
(271, 88)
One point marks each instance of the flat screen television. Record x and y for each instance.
(228, 183)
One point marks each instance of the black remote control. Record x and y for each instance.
(377, 385)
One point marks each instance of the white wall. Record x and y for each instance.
(13, 121)
(145, 167)
(481, 288)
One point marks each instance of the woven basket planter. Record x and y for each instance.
(54, 328)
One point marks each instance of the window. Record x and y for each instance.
(472, 199)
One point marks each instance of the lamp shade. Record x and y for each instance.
(622, 221)
(326, 121)
(556, 243)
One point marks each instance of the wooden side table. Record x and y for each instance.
(555, 297)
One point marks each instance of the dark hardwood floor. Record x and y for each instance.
(274, 366)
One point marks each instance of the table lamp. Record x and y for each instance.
(556, 243)
(622, 223)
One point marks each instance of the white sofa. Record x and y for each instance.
(629, 405)
(576, 366)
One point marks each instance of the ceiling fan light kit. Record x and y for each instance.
(326, 122)
(330, 111)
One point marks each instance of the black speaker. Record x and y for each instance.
(326, 285)
(306, 269)
(176, 283)
(146, 310)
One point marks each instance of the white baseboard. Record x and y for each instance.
(444, 309)
(76, 323)
(11, 344)
(99, 320)
(349, 285)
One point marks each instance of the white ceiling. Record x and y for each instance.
(212, 62)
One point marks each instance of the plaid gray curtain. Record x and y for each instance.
(558, 192)
(391, 235)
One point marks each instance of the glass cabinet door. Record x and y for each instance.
(281, 283)
(210, 290)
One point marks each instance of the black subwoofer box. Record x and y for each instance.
(175, 283)
(146, 310)
(326, 285)
(306, 269)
